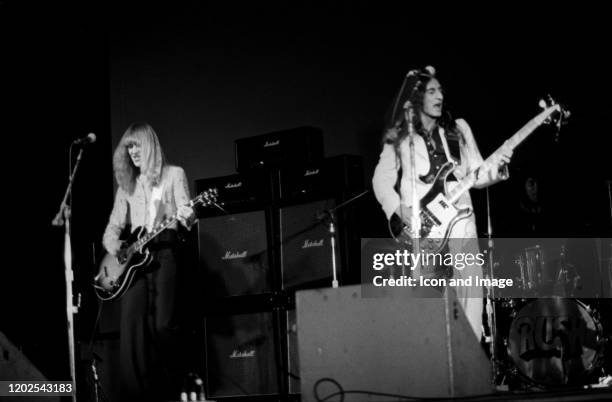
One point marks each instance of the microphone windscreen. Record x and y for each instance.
(430, 70)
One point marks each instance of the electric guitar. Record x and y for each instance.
(117, 272)
(439, 214)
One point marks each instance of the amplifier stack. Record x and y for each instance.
(269, 238)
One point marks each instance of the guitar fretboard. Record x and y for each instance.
(205, 198)
(514, 141)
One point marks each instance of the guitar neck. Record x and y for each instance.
(514, 141)
(163, 225)
(144, 240)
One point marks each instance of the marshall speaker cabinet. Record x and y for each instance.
(242, 355)
(270, 236)
(233, 239)
(310, 197)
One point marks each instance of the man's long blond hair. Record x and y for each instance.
(151, 157)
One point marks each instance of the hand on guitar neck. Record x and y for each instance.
(495, 168)
(503, 154)
(185, 215)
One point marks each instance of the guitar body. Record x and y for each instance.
(117, 272)
(438, 216)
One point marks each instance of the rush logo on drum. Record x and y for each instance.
(550, 336)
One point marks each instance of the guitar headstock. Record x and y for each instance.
(207, 197)
(555, 113)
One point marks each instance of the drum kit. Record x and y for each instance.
(543, 336)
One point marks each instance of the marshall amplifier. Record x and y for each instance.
(331, 176)
(305, 245)
(237, 192)
(242, 355)
(308, 194)
(234, 255)
(296, 146)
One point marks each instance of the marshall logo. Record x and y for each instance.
(233, 185)
(234, 256)
(242, 354)
(312, 243)
(271, 143)
(311, 172)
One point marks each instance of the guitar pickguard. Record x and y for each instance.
(438, 216)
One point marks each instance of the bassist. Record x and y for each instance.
(439, 139)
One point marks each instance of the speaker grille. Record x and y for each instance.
(240, 355)
(306, 255)
(233, 252)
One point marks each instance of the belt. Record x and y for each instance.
(167, 239)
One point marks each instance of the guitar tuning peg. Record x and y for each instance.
(566, 113)
(542, 103)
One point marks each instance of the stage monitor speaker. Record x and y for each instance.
(241, 355)
(15, 366)
(306, 253)
(233, 253)
(397, 344)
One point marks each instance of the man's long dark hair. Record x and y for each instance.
(413, 89)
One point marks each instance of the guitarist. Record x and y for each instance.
(439, 139)
(148, 191)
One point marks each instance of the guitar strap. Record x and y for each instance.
(450, 155)
(444, 144)
(452, 150)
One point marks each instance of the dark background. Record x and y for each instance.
(204, 74)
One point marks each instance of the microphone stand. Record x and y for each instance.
(490, 306)
(415, 218)
(63, 218)
(332, 239)
(332, 234)
(96, 380)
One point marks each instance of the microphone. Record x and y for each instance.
(428, 71)
(89, 139)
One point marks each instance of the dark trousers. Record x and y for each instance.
(149, 338)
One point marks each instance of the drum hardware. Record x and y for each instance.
(568, 277)
(542, 272)
(531, 263)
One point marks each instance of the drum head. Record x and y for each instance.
(554, 342)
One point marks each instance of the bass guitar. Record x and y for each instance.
(439, 214)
